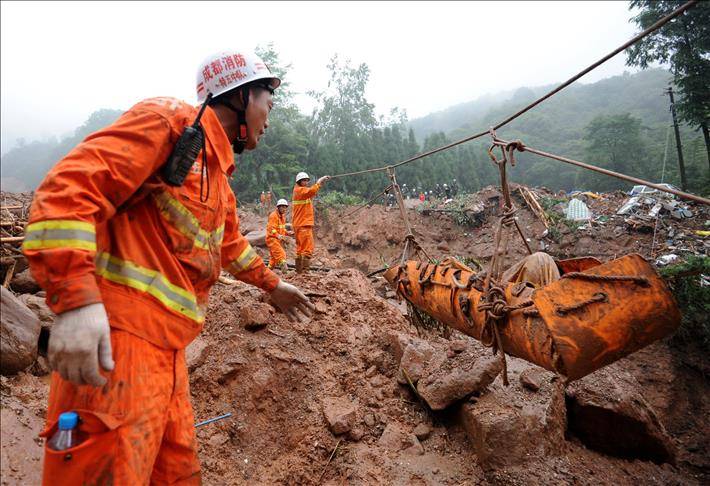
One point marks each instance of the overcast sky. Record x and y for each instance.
(60, 61)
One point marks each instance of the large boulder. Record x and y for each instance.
(608, 413)
(458, 377)
(19, 334)
(23, 283)
(509, 425)
(39, 306)
(256, 238)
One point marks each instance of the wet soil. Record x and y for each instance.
(276, 379)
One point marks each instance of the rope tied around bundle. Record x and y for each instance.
(493, 300)
(566, 309)
(642, 281)
(497, 309)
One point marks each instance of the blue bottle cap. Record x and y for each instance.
(68, 420)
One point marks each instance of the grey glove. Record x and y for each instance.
(79, 341)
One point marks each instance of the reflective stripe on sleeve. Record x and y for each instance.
(218, 235)
(60, 233)
(151, 282)
(244, 261)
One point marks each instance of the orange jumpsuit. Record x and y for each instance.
(275, 229)
(104, 227)
(303, 218)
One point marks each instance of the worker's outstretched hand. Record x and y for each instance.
(79, 341)
(323, 179)
(291, 301)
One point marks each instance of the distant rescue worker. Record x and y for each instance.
(275, 231)
(262, 202)
(303, 218)
(447, 191)
(454, 188)
(127, 247)
(422, 197)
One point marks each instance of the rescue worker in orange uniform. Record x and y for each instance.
(275, 231)
(262, 203)
(303, 219)
(127, 261)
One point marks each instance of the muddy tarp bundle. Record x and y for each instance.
(593, 315)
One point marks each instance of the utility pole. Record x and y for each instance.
(681, 163)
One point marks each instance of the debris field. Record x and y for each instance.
(359, 395)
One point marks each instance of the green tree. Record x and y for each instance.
(684, 43)
(344, 129)
(613, 142)
(283, 148)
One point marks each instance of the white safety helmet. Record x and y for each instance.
(301, 176)
(281, 202)
(226, 70)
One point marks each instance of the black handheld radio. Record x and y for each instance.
(185, 152)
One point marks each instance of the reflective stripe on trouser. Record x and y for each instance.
(186, 223)
(245, 260)
(301, 202)
(304, 241)
(277, 255)
(151, 282)
(139, 426)
(60, 233)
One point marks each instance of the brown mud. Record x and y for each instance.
(291, 386)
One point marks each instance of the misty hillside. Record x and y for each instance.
(559, 125)
(24, 166)
(562, 116)
(459, 115)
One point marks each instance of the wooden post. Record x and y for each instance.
(681, 162)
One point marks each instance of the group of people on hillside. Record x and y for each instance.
(440, 191)
(264, 202)
(302, 220)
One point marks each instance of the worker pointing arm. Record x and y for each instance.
(303, 218)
